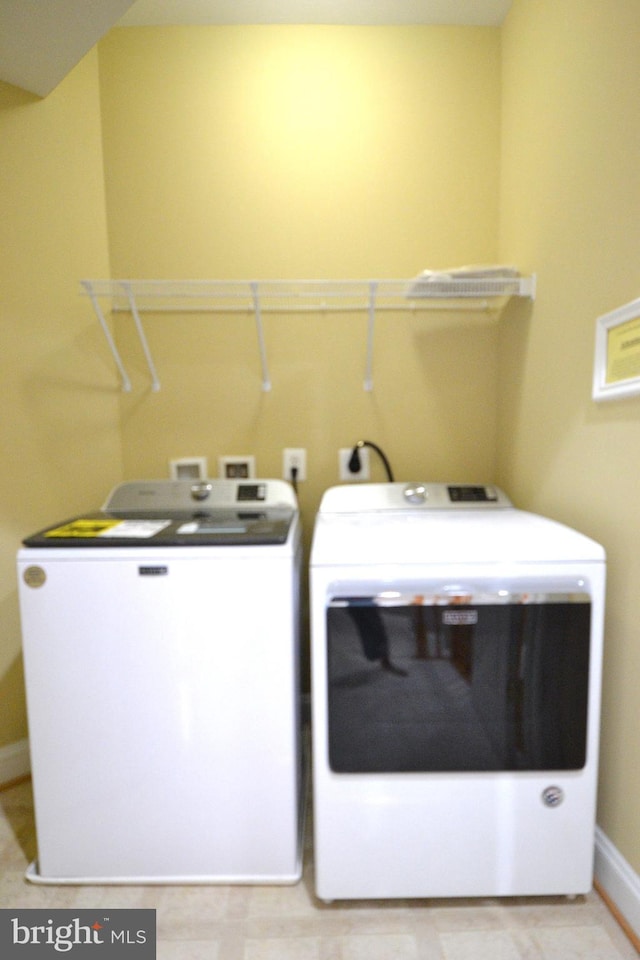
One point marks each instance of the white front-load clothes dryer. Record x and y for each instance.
(456, 673)
(161, 646)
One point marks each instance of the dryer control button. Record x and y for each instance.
(200, 491)
(415, 493)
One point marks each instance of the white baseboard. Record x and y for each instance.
(14, 761)
(618, 880)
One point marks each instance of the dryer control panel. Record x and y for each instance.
(374, 497)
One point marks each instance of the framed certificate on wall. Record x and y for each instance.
(616, 371)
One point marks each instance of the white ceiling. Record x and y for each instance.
(42, 40)
(474, 12)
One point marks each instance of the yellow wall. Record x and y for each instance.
(570, 208)
(59, 428)
(335, 152)
(306, 152)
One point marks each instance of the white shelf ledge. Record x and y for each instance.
(259, 297)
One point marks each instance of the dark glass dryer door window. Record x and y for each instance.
(426, 683)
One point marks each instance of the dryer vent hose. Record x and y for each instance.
(354, 459)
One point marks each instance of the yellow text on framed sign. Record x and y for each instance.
(617, 359)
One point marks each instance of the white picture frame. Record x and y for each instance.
(616, 372)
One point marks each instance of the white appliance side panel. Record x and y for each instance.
(163, 716)
(451, 834)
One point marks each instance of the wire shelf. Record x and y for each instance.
(438, 292)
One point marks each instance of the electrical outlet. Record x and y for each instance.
(294, 458)
(188, 468)
(237, 468)
(344, 455)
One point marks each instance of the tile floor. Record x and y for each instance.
(289, 923)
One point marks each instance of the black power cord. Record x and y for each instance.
(354, 460)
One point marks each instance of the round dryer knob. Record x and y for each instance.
(200, 491)
(415, 493)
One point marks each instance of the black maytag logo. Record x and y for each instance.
(153, 571)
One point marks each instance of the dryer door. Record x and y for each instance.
(482, 679)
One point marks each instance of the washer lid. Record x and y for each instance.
(181, 513)
(220, 528)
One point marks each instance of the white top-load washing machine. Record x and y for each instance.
(456, 671)
(161, 648)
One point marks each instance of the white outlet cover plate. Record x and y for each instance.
(344, 455)
(240, 467)
(188, 468)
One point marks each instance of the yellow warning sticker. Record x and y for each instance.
(83, 528)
